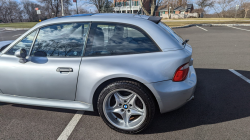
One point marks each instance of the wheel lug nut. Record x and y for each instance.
(122, 110)
(125, 101)
(130, 105)
(128, 111)
(120, 104)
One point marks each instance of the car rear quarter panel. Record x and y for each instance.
(145, 68)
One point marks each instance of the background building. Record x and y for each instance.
(129, 6)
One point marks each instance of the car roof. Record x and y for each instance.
(102, 15)
(146, 23)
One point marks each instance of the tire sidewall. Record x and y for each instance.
(144, 95)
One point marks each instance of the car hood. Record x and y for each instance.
(4, 43)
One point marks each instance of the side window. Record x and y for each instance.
(117, 39)
(25, 44)
(63, 40)
(169, 30)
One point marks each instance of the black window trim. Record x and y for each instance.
(4, 47)
(120, 23)
(34, 40)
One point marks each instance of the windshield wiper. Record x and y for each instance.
(185, 42)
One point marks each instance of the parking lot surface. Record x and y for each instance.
(9, 34)
(220, 109)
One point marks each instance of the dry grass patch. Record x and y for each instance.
(19, 25)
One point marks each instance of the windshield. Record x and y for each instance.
(169, 30)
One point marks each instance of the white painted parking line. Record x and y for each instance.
(17, 35)
(70, 127)
(239, 28)
(201, 28)
(240, 75)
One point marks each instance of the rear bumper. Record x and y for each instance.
(172, 95)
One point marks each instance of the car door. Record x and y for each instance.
(53, 63)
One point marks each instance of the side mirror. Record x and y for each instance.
(21, 53)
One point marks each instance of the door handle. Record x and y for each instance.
(64, 69)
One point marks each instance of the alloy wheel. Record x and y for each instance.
(124, 109)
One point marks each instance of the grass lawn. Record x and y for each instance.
(19, 25)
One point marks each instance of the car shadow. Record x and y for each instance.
(2, 104)
(220, 96)
(45, 108)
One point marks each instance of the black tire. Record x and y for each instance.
(139, 90)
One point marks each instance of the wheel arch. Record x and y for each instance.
(105, 83)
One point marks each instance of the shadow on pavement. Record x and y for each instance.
(220, 96)
(1, 104)
(45, 108)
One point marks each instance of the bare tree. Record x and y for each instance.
(82, 6)
(9, 10)
(142, 3)
(81, 10)
(98, 4)
(170, 4)
(54, 6)
(1, 9)
(107, 7)
(203, 4)
(153, 5)
(29, 10)
(222, 6)
(245, 4)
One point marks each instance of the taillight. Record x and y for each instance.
(181, 73)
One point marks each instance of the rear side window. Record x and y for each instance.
(61, 40)
(169, 30)
(117, 39)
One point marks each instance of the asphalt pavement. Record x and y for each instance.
(10, 35)
(220, 110)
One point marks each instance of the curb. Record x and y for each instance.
(186, 26)
(14, 29)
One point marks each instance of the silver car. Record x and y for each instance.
(122, 65)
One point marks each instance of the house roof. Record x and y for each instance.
(161, 8)
(189, 6)
(164, 9)
(181, 8)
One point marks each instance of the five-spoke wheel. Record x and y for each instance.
(126, 106)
